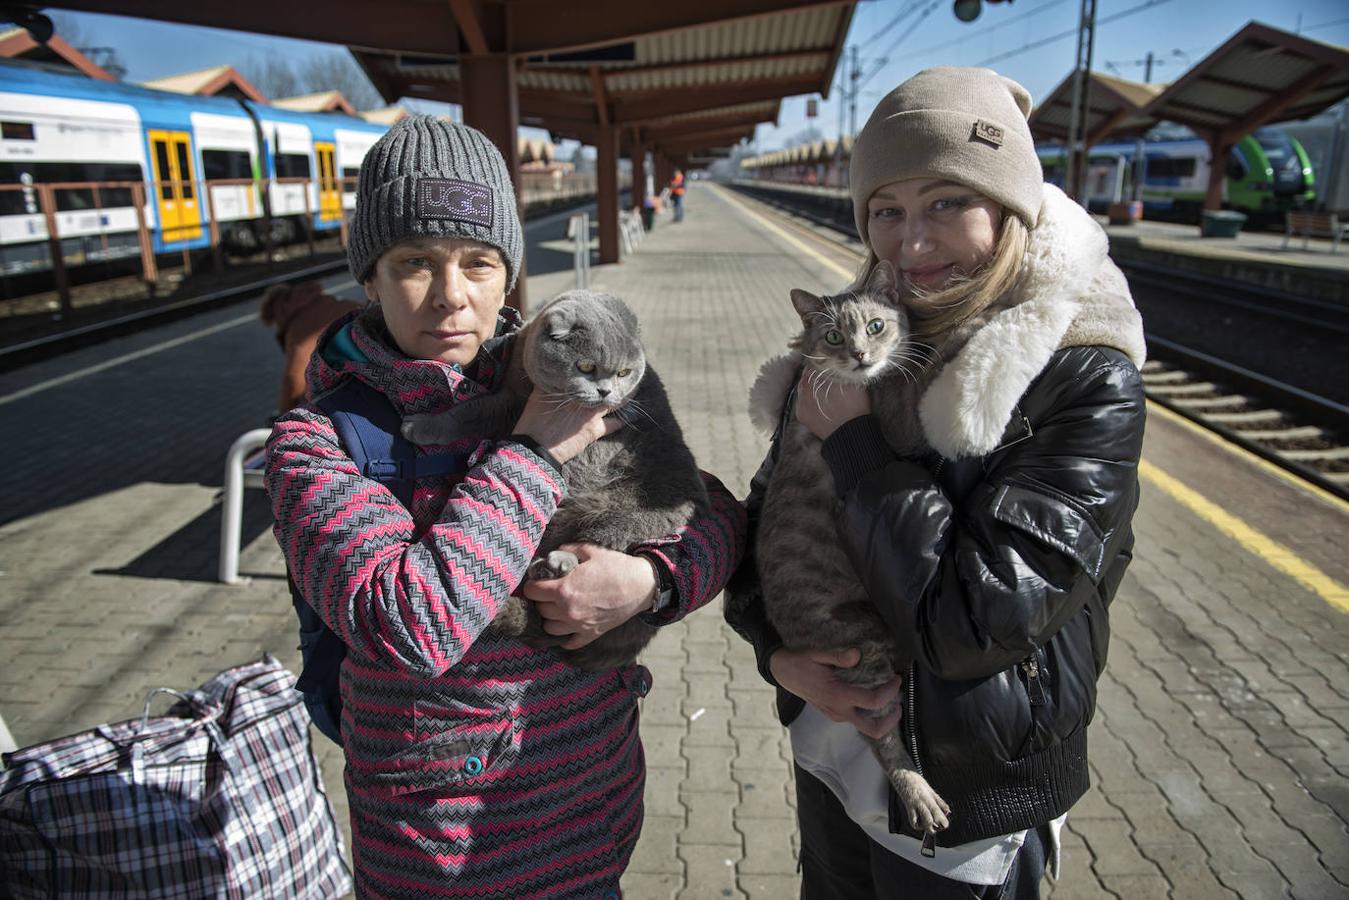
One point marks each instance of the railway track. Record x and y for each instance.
(16, 355)
(1296, 430)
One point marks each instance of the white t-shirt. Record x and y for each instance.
(841, 758)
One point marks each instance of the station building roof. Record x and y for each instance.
(1114, 108)
(17, 43)
(386, 115)
(1259, 76)
(210, 82)
(321, 101)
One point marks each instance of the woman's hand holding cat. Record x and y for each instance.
(811, 675)
(563, 429)
(606, 589)
(825, 411)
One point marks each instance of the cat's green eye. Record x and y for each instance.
(875, 326)
(833, 337)
(586, 366)
(624, 373)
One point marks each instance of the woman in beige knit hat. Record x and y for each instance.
(993, 557)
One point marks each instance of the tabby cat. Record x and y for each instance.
(639, 483)
(811, 594)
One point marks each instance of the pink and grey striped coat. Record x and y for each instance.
(476, 765)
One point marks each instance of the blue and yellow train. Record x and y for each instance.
(64, 128)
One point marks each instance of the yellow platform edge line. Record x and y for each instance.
(815, 254)
(1254, 541)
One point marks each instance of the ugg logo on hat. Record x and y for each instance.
(987, 132)
(450, 198)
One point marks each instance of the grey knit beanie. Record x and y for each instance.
(964, 125)
(430, 177)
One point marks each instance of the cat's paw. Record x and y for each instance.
(928, 812)
(554, 565)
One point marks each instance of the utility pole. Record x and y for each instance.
(1141, 164)
(842, 105)
(852, 92)
(1075, 177)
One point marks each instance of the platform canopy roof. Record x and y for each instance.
(583, 63)
(1259, 76)
(1114, 109)
(695, 76)
(321, 101)
(17, 43)
(215, 81)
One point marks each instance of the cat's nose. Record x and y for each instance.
(603, 392)
(859, 355)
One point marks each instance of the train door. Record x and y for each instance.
(330, 191)
(175, 186)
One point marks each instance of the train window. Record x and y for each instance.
(292, 165)
(185, 170)
(221, 164)
(67, 199)
(162, 167)
(1236, 165)
(349, 176)
(17, 131)
(1170, 166)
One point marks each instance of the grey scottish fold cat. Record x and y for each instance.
(639, 483)
(811, 594)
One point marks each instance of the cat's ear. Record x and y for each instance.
(558, 325)
(884, 282)
(806, 303)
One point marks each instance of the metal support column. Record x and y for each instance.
(606, 190)
(638, 156)
(492, 105)
(1079, 123)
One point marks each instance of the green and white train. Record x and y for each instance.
(1268, 173)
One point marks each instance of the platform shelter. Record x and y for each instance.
(674, 79)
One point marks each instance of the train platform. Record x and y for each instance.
(1220, 749)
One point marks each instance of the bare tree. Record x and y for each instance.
(337, 71)
(73, 33)
(272, 75)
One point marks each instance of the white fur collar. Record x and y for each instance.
(1074, 296)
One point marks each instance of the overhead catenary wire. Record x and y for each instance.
(908, 10)
(970, 36)
(1072, 32)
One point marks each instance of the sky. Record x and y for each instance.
(895, 39)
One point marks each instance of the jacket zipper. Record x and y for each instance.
(1035, 689)
(929, 848)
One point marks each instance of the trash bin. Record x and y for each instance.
(648, 216)
(1222, 223)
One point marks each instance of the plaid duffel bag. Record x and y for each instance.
(221, 797)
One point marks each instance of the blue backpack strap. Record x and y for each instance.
(370, 430)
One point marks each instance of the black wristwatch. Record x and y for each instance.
(665, 586)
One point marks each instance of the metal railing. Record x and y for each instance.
(578, 230)
(79, 220)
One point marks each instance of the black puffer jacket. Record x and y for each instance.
(995, 566)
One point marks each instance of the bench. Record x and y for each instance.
(243, 468)
(1310, 224)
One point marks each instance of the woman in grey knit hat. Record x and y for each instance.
(993, 556)
(476, 765)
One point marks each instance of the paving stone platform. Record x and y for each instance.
(1220, 747)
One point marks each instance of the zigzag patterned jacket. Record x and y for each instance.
(476, 765)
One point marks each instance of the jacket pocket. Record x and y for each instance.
(454, 748)
(1053, 521)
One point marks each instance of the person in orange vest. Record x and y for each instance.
(677, 194)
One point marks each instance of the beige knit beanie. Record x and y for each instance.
(965, 125)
